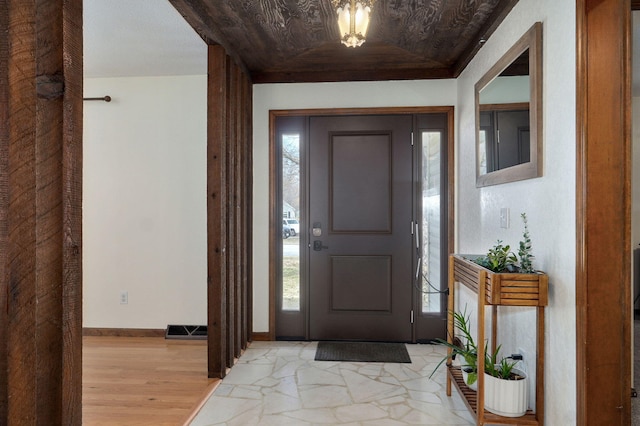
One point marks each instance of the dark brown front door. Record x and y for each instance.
(360, 198)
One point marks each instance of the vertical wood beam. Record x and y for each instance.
(237, 190)
(231, 228)
(217, 211)
(4, 206)
(243, 212)
(229, 204)
(72, 176)
(603, 251)
(249, 199)
(22, 199)
(40, 221)
(246, 210)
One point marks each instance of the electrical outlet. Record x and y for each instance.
(522, 352)
(124, 297)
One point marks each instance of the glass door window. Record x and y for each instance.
(290, 187)
(431, 221)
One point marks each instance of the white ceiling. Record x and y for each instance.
(124, 38)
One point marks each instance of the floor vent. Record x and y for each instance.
(186, 332)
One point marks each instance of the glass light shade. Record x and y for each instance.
(353, 21)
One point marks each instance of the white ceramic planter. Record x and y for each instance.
(508, 398)
(465, 377)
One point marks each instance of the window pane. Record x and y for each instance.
(431, 192)
(290, 222)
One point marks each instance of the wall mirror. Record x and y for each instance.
(509, 114)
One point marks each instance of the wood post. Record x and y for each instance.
(4, 207)
(40, 212)
(603, 249)
(229, 203)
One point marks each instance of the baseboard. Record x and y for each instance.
(150, 332)
(260, 337)
(123, 332)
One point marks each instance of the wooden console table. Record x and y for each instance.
(496, 289)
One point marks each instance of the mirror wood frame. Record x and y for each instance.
(531, 40)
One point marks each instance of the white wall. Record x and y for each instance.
(549, 201)
(305, 96)
(144, 207)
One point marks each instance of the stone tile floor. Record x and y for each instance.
(279, 383)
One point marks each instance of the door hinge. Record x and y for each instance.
(412, 316)
(412, 226)
(411, 138)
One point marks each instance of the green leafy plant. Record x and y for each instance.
(464, 346)
(524, 251)
(502, 369)
(467, 349)
(499, 258)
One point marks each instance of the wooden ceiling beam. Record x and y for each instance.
(351, 75)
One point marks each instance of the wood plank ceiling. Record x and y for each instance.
(297, 40)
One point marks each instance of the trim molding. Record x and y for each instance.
(603, 212)
(123, 332)
(261, 337)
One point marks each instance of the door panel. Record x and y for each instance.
(360, 198)
(360, 176)
(354, 276)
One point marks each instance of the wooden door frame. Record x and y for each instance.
(603, 200)
(274, 219)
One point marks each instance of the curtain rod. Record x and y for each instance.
(105, 98)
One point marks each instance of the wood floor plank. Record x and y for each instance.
(142, 380)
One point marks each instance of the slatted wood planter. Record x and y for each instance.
(497, 289)
(504, 289)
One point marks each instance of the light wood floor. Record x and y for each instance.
(142, 380)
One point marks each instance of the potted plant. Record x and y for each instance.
(508, 279)
(465, 347)
(500, 258)
(505, 387)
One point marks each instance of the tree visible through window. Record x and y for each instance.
(431, 220)
(291, 227)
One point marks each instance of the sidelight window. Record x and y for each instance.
(290, 181)
(431, 221)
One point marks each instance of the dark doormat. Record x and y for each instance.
(362, 352)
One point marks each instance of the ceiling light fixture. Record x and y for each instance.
(353, 20)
